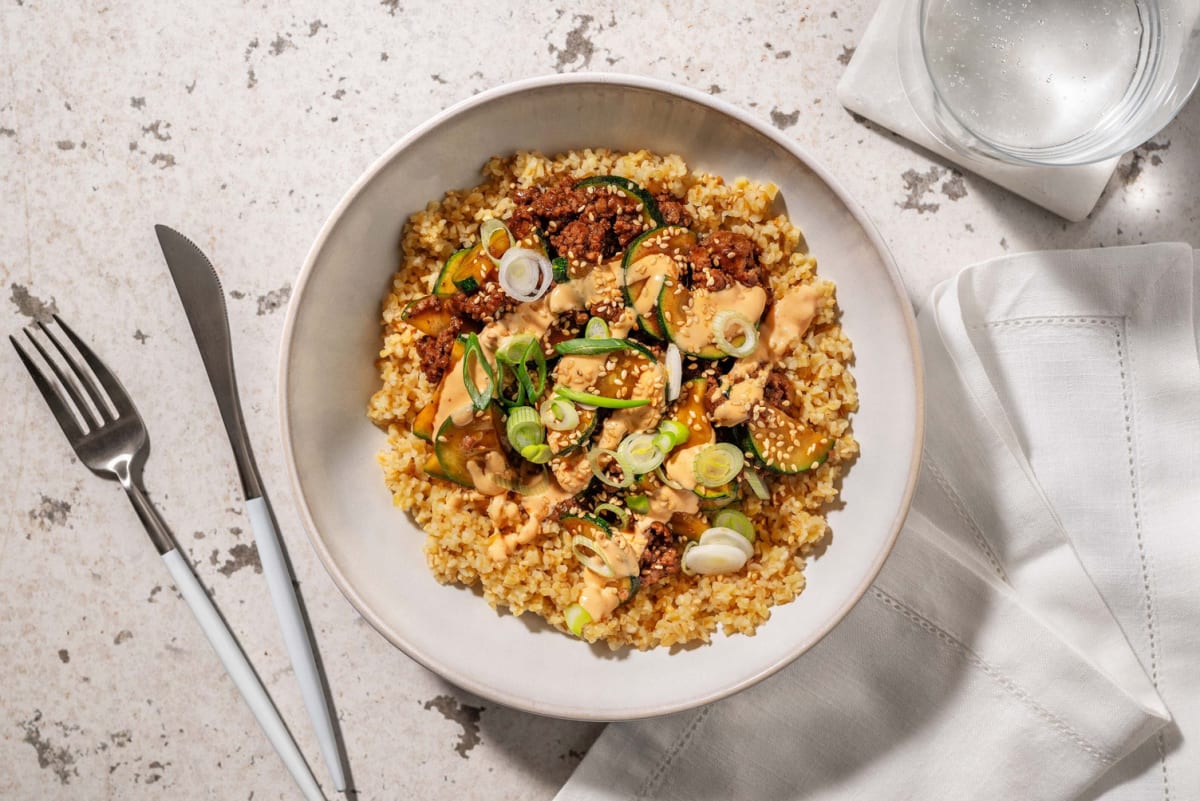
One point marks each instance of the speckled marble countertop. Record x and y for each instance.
(242, 124)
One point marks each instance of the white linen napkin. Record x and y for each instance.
(872, 86)
(1061, 481)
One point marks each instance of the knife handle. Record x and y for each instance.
(295, 634)
(242, 674)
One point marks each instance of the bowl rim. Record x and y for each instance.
(686, 93)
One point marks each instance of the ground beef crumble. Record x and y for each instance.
(723, 258)
(778, 388)
(610, 311)
(585, 226)
(713, 395)
(672, 211)
(661, 557)
(434, 351)
(483, 306)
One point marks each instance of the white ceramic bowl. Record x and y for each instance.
(374, 551)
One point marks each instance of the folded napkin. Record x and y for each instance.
(1038, 616)
(872, 86)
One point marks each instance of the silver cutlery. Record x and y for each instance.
(107, 434)
(204, 302)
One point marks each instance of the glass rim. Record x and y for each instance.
(1096, 144)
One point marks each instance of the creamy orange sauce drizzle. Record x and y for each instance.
(785, 325)
(680, 466)
(598, 597)
(787, 321)
(654, 269)
(696, 334)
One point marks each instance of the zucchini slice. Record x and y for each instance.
(423, 423)
(430, 321)
(627, 587)
(589, 526)
(690, 526)
(455, 446)
(713, 498)
(782, 443)
(564, 442)
(444, 286)
(670, 241)
(690, 411)
(473, 270)
(559, 268)
(621, 378)
(627, 187)
(433, 467)
(674, 308)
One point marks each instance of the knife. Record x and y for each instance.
(204, 302)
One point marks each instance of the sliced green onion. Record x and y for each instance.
(638, 503)
(526, 383)
(664, 442)
(664, 478)
(518, 399)
(524, 428)
(595, 561)
(559, 414)
(674, 363)
(713, 558)
(600, 400)
(677, 431)
(538, 454)
(589, 347)
(736, 521)
(596, 328)
(718, 464)
(727, 321)
(524, 274)
(576, 618)
(687, 570)
(480, 398)
(622, 461)
(487, 231)
(514, 349)
(559, 269)
(641, 451)
(622, 515)
(539, 362)
(757, 485)
(727, 536)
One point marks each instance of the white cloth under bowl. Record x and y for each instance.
(1041, 611)
(872, 87)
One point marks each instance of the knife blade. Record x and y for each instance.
(204, 303)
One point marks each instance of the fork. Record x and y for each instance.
(109, 437)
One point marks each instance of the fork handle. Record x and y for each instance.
(242, 674)
(156, 527)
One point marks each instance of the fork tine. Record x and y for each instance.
(56, 402)
(85, 377)
(81, 406)
(120, 398)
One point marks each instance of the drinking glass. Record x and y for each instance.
(1054, 82)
